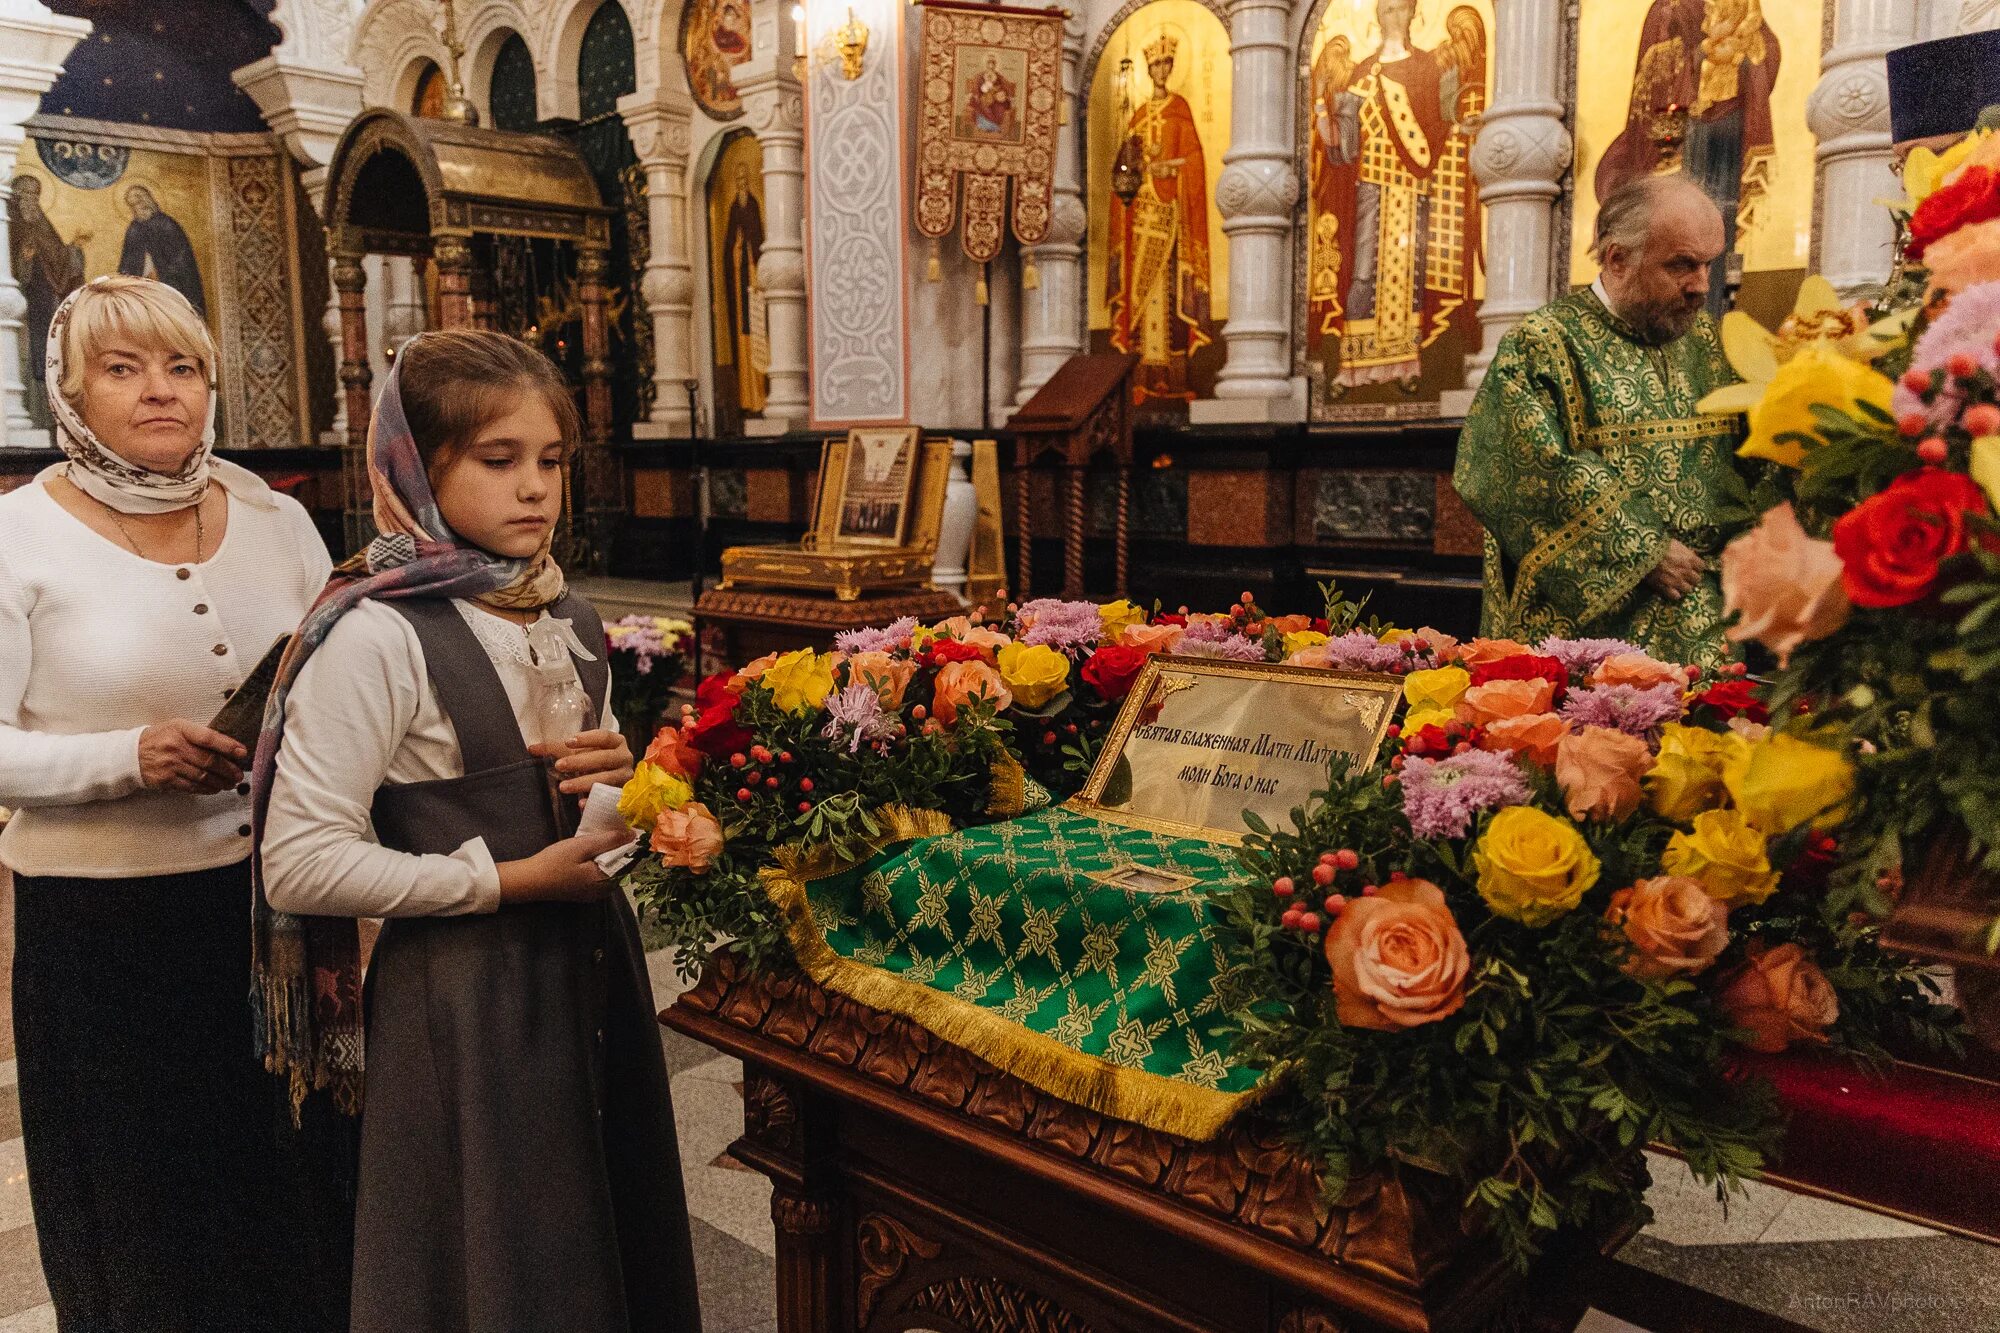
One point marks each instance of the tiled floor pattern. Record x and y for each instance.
(1818, 1264)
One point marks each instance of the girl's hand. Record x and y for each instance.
(562, 872)
(186, 756)
(590, 757)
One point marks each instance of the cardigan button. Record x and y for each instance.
(201, 608)
(220, 650)
(226, 693)
(183, 574)
(242, 830)
(242, 789)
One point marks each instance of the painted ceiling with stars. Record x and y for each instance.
(164, 63)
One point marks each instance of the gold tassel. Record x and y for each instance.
(1031, 277)
(934, 266)
(979, 290)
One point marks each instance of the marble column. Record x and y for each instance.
(1255, 195)
(37, 42)
(1519, 159)
(1848, 113)
(404, 317)
(659, 131)
(775, 105)
(1052, 313)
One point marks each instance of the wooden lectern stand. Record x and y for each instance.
(1084, 410)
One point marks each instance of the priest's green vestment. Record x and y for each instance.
(1583, 455)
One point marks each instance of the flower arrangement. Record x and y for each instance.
(1523, 943)
(1873, 574)
(648, 656)
(1530, 938)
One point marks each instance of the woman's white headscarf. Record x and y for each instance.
(120, 484)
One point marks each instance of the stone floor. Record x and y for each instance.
(1818, 1264)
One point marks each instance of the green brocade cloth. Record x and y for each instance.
(998, 939)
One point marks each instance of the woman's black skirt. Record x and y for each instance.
(171, 1193)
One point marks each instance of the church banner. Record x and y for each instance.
(992, 89)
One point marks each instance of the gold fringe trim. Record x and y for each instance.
(1153, 1100)
(1009, 794)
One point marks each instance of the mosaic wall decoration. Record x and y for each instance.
(1716, 89)
(1394, 234)
(1159, 125)
(211, 215)
(715, 39)
(511, 95)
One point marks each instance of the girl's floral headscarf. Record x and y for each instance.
(307, 992)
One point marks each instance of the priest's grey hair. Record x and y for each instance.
(1625, 218)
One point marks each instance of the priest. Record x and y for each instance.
(1602, 490)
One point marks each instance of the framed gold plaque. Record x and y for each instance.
(869, 484)
(1200, 741)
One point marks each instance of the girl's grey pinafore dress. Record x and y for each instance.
(519, 1170)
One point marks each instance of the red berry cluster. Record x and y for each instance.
(756, 781)
(1303, 904)
(1966, 380)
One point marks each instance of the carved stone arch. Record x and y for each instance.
(557, 51)
(656, 34)
(486, 31)
(1103, 39)
(316, 31)
(391, 41)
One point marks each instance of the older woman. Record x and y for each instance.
(140, 581)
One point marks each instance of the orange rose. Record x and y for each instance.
(1488, 650)
(1637, 670)
(1966, 258)
(1786, 585)
(889, 676)
(689, 836)
(1674, 927)
(671, 751)
(752, 671)
(1779, 996)
(1533, 737)
(1599, 771)
(1289, 624)
(1398, 958)
(1152, 638)
(1446, 647)
(959, 683)
(979, 636)
(1497, 699)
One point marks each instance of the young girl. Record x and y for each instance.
(518, 1163)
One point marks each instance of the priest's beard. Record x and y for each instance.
(1663, 319)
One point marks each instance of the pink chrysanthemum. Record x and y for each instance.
(1358, 650)
(1061, 625)
(1625, 708)
(1966, 325)
(1440, 796)
(885, 640)
(1583, 656)
(1209, 638)
(856, 713)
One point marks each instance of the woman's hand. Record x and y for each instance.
(187, 757)
(562, 872)
(589, 758)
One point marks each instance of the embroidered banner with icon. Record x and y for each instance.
(992, 93)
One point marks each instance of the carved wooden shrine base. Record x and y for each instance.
(917, 1187)
(755, 622)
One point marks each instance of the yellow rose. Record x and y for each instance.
(1924, 171)
(1532, 866)
(799, 680)
(1726, 856)
(1686, 776)
(1395, 636)
(1817, 375)
(1419, 718)
(650, 790)
(1438, 689)
(1115, 616)
(1301, 639)
(1782, 782)
(1985, 467)
(1034, 673)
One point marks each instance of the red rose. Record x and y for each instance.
(1973, 197)
(955, 650)
(1524, 666)
(1735, 698)
(715, 731)
(1890, 545)
(1112, 669)
(1170, 620)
